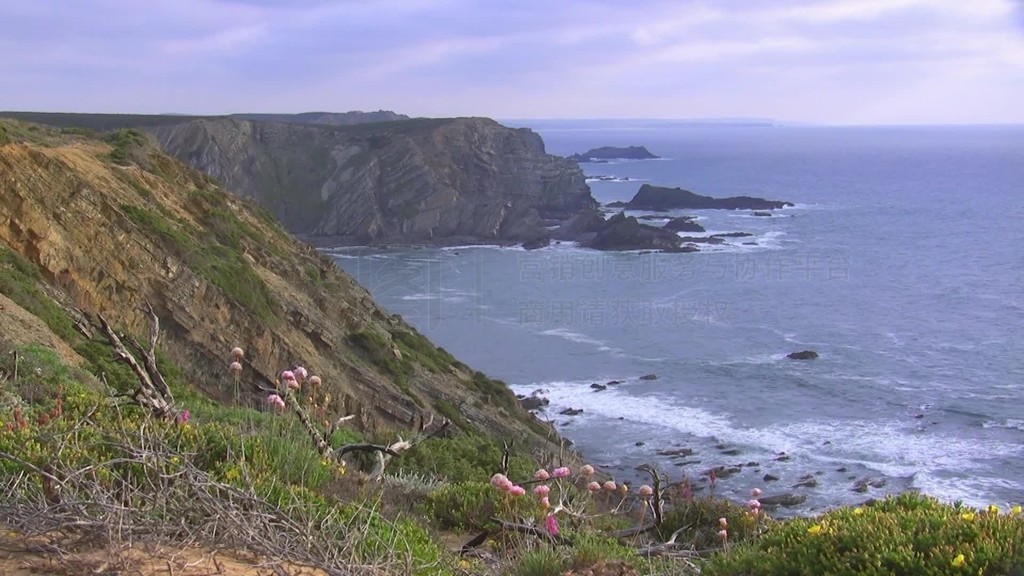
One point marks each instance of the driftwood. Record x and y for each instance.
(657, 502)
(322, 440)
(153, 392)
(534, 531)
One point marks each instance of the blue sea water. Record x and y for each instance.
(901, 264)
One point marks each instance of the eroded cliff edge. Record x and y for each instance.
(421, 180)
(113, 225)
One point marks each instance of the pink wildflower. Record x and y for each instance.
(498, 479)
(314, 381)
(594, 487)
(182, 417)
(646, 491)
(235, 367)
(723, 523)
(562, 472)
(237, 353)
(300, 373)
(541, 475)
(610, 486)
(517, 491)
(542, 490)
(551, 524)
(754, 504)
(587, 470)
(287, 375)
(723, 534)
(276, 401)
(545, 503)
(292, 384)
(756, 492)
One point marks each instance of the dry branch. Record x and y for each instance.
(533, 531)
(152, 392)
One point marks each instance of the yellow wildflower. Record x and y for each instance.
(958, 561)
(814, 529)
(1015, 510)
(967, 516)
(993, 509)
(858, 510)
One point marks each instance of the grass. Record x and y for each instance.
(221, 264)
(20, 281)
(263, 464)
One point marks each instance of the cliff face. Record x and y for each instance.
(424, 180)
(109, 233)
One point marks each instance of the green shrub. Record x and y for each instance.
(462, 458)
(470, 506)
(221, 265)
(377, 348)
(590, 549)
(129, 146)
(41, 375)
(908, 534)
(540, 561)
(699, 519)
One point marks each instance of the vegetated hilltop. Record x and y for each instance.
(108, 122)
(327, 118)
(106, 226)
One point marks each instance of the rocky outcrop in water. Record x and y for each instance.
(605, 153)
(620, 232)
(683, 224)
(659, 198)
(802, 355)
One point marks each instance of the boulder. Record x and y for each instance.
(651, 376)
(533, 402)
(623, 232)
(683, 224)
(785, 500)
(571, 411)
(802, 355)
(536, 243)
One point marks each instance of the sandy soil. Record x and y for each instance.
(35, 556)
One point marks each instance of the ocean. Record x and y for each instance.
(901, 264)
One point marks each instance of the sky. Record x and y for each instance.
(822, 61)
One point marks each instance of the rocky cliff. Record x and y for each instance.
(109, 225)
(423, 180)
(327, 118)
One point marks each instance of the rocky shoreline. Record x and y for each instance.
(791, 487)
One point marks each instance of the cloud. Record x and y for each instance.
(831, 61)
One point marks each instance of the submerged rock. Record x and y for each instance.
(785, 500)
(802, 355)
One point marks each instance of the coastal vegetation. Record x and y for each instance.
(76, 456)
(399, 460)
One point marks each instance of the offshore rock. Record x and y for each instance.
(659, 198)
